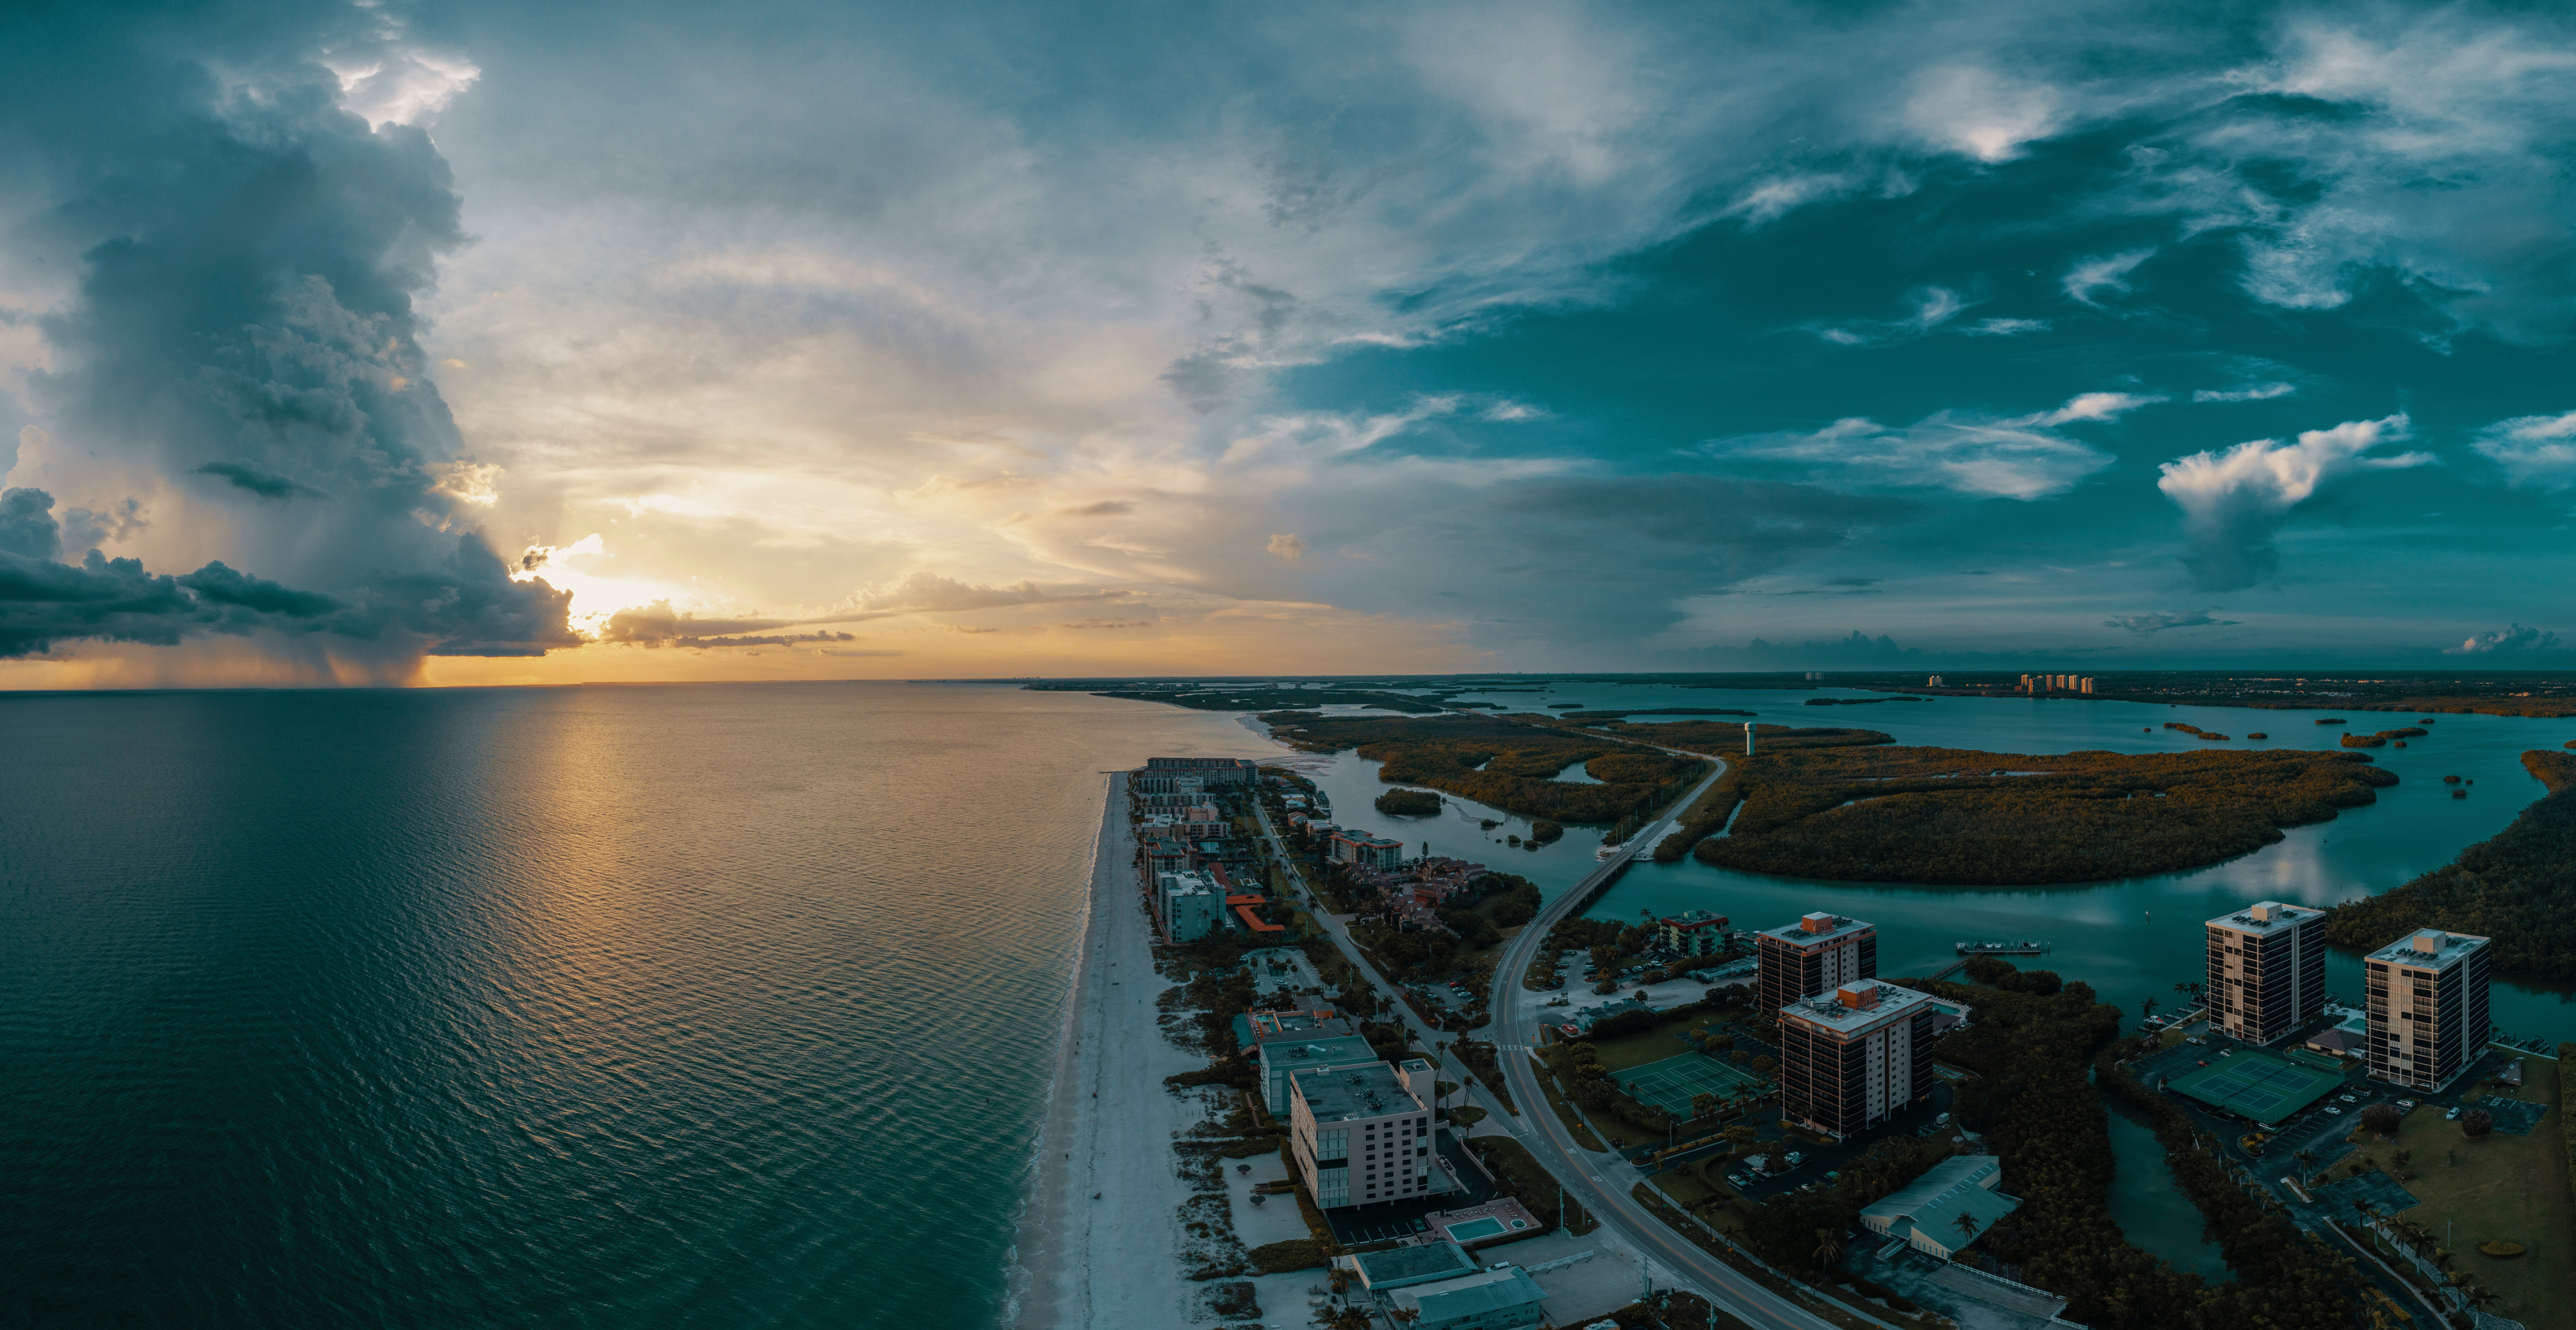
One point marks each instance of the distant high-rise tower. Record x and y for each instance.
(1748, 738)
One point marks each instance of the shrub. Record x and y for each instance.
(1408, 803)
(1545, 833)
(2476, 1123)
(1294, 1254)
(2382, 1120)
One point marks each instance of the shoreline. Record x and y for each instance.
(1112, 1258)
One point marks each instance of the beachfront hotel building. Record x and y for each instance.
(1692, 933)
(2267, 971)
(1814, 955)
(2427, 1007)
(1362, 1134)
(1854, 1057)
(1163, 773)
(1288, 1042)
(1188, 905)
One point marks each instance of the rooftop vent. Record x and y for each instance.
(1816, 923)
(2430, 941)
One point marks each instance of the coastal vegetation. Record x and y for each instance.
(2517, 887)
(2031, 1101)
(1408, 803)
(1942, 815)
(1506, 763)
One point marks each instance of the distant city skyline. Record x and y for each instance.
(459, 342)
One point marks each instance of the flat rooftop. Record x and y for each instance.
(1829, 1010)
(2406, 951)
(1413, 1265)
(1270, 1025)
(1836, 926)
(2264, 915)
(1373, 1091)
(1327, 1051)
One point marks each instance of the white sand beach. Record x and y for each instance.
(1115, 1260)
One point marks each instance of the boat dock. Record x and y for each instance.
(2003, 948)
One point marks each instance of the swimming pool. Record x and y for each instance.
(1473, 1229)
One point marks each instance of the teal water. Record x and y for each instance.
(694, 1006)
(2131, 939)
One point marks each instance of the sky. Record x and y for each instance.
(459, 343)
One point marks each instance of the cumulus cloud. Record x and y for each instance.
(2260, 392)
(2532, 450)
(2017, 457)
(659, 625)
(2148, 625)
(278, 354)
(2515, 638)
(2234, 502)
(1288, 546)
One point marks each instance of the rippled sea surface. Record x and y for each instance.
(697, 1006)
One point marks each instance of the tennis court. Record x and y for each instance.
(1670, 1084)
(2255, 1085)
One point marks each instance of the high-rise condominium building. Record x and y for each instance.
(2267, 970)
(1813, 955)
(1855, 1055)
(2427, 1000)
(1362, 1134)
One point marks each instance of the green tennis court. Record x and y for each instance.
(1670, 1084)
(2255, 1085)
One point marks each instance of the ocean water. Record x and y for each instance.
(691, 1006)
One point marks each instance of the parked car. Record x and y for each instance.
(1739, 1180)
(1796, 1159)
(2351, 1099)
(2406, 1105)
(2334, 1110)
(2455, 1112)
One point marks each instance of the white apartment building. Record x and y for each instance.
(1854, 1056)
(2267, 970)
(2427, 1004)
(1362, 1134)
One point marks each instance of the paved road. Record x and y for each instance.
(1599, 1183)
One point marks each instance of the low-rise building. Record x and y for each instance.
(1504, 1299)
(1360, 847)
(1855, 1057)
(1950, 1206)
(2427, 1005)
(1413, 1263)
(1693, 933)
(1188, 905)
(1285, 1042)
(1362, 1134)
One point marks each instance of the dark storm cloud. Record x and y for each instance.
(247, 253)
(264, 483)
(468, 606)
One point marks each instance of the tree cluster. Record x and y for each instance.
(1505, 763)
(2517, 887)
(1943, 815)
(1996, 972)
(1408, 803)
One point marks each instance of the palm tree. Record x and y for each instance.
(1340, 1279)
(1405, 1315)
(2147, 1007)
(1350, 1318)
(1829, 1247)
(1967, 1225)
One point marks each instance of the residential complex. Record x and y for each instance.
(1814, 955)
(2267, 971)
(1188, 905)
(1360, 847)
(1692, 933)
(1854, 1057)
(1362, 1133)
(1210, 772)
(2427, 1006)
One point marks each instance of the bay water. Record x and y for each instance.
(724, 1005)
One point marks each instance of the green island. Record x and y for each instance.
(1503, 762)
(2517, 887)
(1408, 803)
(1957, 816)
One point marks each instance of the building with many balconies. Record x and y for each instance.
(2427, 1007)
(2267, 971)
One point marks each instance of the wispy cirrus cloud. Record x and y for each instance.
(2532, 450)
(2260, 392)
(2148, 625)
(2015, 457)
